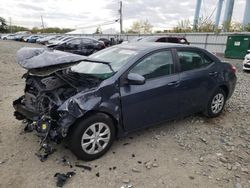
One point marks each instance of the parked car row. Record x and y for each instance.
(85, 45)
(77, 45)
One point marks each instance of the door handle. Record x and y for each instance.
(213, 73)
(175, 83)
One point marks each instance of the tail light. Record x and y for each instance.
(233, 68)
(102, 44)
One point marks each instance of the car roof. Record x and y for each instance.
(142, 46)
(83, 38)
(162, 36)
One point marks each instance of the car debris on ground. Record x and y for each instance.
(62, 178)
(85, 167)
(44, 152)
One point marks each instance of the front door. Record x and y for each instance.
(156, 100)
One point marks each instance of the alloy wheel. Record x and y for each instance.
(217, 103)
(96, 138)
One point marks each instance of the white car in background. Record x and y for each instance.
(246, 62)
(8, 37)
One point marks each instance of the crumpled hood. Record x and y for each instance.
(32, 58)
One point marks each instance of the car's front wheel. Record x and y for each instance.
(216, 103)
(92, 137)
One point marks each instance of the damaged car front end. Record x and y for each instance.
(54, 95)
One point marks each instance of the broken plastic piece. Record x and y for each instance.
(84, 166)
(44, 152)
(65, 161)
(62, 178)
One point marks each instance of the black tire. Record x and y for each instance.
(209, 111)
(75, 142)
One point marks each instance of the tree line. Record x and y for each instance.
(141, 27)
(186, 26)
(5, 28)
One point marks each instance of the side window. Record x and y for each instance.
(75, 42)
(193, 60)
(87, 41)
(173, 40)
(155, 65)
(161, 40)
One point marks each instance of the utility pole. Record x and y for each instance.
(120, 12)
(10, 25)
(42, 22)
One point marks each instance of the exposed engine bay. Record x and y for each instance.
(47, 88)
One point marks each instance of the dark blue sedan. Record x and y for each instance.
(92, 100)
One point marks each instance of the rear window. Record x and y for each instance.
(190, 60)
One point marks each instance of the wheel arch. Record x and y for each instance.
(225, 89)
(92, 112)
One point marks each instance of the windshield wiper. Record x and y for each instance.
(99, 61)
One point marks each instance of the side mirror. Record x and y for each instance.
(135, 79)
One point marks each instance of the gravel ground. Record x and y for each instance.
(191, 152)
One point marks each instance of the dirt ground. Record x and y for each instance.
(192, 152)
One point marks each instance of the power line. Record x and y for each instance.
(204, 7)
(212, 13)
(96, 25)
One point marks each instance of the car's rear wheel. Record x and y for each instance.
(216, 103)
(92, 137)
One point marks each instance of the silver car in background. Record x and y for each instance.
(246, 62)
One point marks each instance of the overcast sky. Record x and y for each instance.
(84, 13)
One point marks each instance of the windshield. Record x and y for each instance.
(136, 39)
(111, 60)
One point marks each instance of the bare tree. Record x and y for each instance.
(3, 25)
(141, 27)
(183, 26)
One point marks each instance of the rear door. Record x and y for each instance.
(87, 46)
(73, 46)
(198, 73)
(155, 101)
